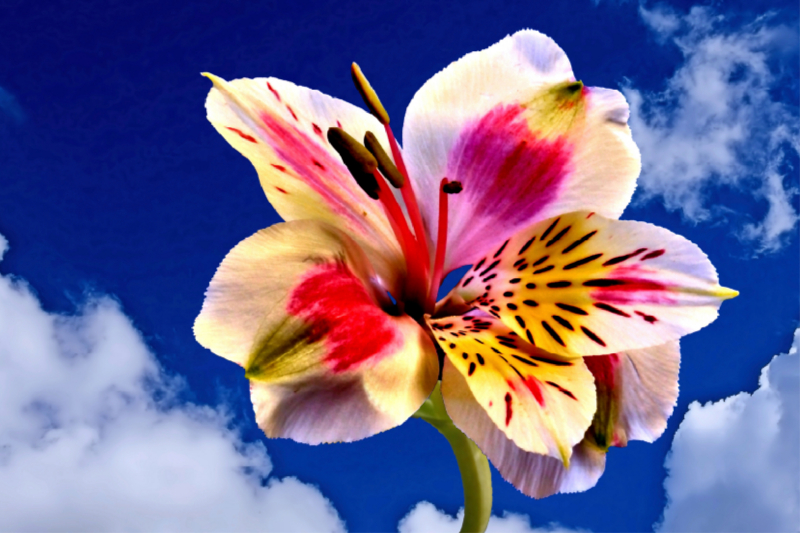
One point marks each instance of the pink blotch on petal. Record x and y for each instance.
(493, 153)
(340, 313)
(307, 159)
(635, 288)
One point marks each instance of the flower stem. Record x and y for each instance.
(476, 476)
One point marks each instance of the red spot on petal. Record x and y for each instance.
(509, 410)
(317, 129)
(339, 312)
(603, 368)
(291, 111)
(590, 215)
(318, 164)
(282, 190)
(536, 389)
(338, 124)
(653, 255)
(279, 167)
(490, 403)
(242, 134)
(274, 92)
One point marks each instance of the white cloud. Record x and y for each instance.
(426, 518)
(718, 123)
(93, 438)
(735, 464)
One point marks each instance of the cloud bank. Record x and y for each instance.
(734, 463)
(720, 123)
(425, 518)
(92, 437)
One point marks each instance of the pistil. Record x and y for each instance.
(446, 188)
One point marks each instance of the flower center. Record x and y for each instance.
(372, 168)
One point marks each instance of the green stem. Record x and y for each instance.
(476, 476)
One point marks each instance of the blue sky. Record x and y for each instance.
(118, 200)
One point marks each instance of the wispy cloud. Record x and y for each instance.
(734, 463)
(93, 438)
(721, 124)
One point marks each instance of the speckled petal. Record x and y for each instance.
(533, 474)
(542, 402)
(582, 284)
(525, 140)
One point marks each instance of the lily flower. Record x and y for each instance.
(560, 341)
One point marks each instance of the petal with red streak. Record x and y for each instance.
(298, 306)
(524, 139)
(282, 129)
(636, 393)
(533, 474)
(582, 284)
(542, 402)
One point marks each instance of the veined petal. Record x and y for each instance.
(542, 402)
(581, 284)
(524, 139)
(298, 307)
(533, 474)
(636, 393)
(281, 128)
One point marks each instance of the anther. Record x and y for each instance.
(369, 95)
(357, 159)
(452, 187)
(384, 162)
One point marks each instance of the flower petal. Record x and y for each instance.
(525, 140)
(533, 474)
(298, 307)
(542, 402)
(581, 284)
(281, 128)
(637, 391)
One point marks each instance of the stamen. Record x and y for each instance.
(409, 199)
(384, 162)
(368, 94)
(357, 159)
(445, 188)
(417, 274)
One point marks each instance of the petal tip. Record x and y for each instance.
(725, 293)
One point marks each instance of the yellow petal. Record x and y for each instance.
(542, 402)
(533, 474)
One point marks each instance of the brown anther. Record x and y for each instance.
(384, 162)
(452, 187)
(357, 159)
(368, 94)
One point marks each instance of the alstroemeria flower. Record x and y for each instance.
(510, 165)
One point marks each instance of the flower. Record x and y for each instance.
(559, 342)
